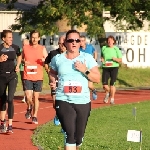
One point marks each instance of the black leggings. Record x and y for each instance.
(73, 119)
(10, 82)
(110, 72)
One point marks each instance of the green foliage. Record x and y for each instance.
(128, 14)
(43, 18)
(106, 129)
(4, 1)
(47, 13)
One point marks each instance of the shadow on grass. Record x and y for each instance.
(122, 82)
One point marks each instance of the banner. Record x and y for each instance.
(135, 47)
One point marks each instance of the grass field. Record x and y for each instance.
(107, 127)
(127, 77)
(106, 130)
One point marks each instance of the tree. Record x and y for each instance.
(128, 14)
(44, 16)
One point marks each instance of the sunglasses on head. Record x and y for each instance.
(72, 40)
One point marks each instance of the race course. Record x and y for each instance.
(23, 129)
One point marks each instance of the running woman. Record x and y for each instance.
(72, 103)
(8, 77)
(111, 56)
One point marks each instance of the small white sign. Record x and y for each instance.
(31, 72)
(134, 136)
(31, 67)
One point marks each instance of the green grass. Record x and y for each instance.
(106, 130)
(127, 77)
(134, 77)
(131, 77)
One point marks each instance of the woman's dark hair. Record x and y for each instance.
(111, 37)
(34, 31)
(71, 31)
(4, 33)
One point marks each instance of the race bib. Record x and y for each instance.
(31, 69)
(72, 88)
(108, 63)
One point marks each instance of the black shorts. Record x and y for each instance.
(110, 72)
(36, 86)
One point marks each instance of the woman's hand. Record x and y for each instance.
(80, 66)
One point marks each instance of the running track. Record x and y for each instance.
(23, 129)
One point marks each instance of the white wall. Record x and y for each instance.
(7, 18)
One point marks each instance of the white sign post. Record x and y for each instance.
(135, 136)
(134, 113)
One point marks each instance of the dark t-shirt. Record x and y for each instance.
(9, 64)
(51, 55)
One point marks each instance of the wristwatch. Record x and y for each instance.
(87, 72)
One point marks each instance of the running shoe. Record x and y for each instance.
(28, 114)
(23, 100)
(34, 120)
(3, 127)
(9, 129)
(94, 94)
(106, 98)
(112, 101)
(56, 121)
